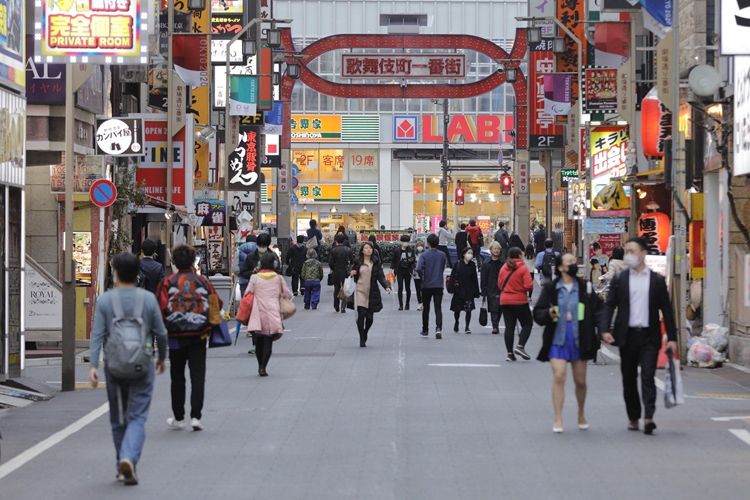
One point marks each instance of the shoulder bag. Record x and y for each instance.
(507, 280)
(246, 304)
(288, 309)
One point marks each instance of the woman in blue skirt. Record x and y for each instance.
(569, 310)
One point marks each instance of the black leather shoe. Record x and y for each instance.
(262, 371)
(400, 308)
(649, 428)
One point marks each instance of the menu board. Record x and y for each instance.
(82, 257)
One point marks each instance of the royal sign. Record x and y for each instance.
(91, 31)
(403, 66)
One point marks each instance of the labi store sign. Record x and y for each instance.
(468, 128)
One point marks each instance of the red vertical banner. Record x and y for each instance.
(543, 132)
(572, 14)
(265, 98)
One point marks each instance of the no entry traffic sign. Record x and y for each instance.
(103, 193)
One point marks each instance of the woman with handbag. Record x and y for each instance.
(465, 287)
(569, 310)
(266, 317)
(490, 290)
(368, 272)
(514, 282)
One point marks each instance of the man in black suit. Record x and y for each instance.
(638, 295)
(462, 241)
(152, 272)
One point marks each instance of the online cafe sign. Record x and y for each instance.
(468, 128)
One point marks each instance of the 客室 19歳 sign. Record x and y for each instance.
(93, 31)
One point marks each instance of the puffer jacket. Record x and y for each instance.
(245, 250)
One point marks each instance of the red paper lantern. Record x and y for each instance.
(655, 228)
(656, 125)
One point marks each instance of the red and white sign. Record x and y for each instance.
(523, 177)
(405, 128)
(468, 128)
(152, 167)
(403, 66)
(284, 171)
(543, 133)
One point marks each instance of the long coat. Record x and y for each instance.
(339, 259)
(376, 276)
(265, 317)
(490, 271)
(588, 340)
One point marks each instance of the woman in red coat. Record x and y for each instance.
(514, 282)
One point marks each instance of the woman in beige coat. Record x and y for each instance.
(265, 318)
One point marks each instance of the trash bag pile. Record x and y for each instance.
(708, 350)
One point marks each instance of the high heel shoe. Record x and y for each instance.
(262, 371)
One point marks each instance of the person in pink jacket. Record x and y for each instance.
(514, 282)
(265, 317)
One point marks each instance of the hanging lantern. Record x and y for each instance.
(656, 125)
(655, 228)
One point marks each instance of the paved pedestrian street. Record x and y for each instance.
(403, 418)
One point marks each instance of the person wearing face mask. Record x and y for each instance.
(252, 261)
(466, 288)
(514, 282)
(569, 311)
(639, 295)
(419, 248)
(403, 264)
(490, 290)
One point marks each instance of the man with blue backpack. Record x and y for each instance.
(128, 323)
(545, 262)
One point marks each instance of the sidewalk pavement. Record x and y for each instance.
(404, 418)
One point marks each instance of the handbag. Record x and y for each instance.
(483, 312)
(246, 304)
(219, 335)
(330, 278)
(288, 309)
(214, 310)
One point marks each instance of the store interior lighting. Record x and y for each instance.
(363, 210)
(334, 210)
(641, 193)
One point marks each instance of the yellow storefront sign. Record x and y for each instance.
(318, 128)
(319, 193)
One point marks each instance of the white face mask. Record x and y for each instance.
(420, 249)
(262, 249)
(468, 256)
(631, 260)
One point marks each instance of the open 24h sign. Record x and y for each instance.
(91, 31)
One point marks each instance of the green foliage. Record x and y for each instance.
(130, 196)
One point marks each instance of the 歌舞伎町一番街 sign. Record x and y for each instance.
(91, 31)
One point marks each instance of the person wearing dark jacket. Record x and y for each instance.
(514, 282)
(490, 291)
(515, 241)
(539, 237)
(153, 271)
(501, 236)
(462, 241)
(252, 261)
(314, 232)
(295, 259)
(342, 230)
(465, 287)
(638, 295)
(475, 239)
(339, 260)
(431, 266)
(569, 311)
(402, 265)
(368, 273)
(372, 239)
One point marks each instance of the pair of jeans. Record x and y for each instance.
(192, 352)
(132, 404)
(404, 278)
(517, 313)
(312, 294)
(495, 317)
(365, 317)
(435, 295)
(444, 249)
(263, 348)
(418, 289)
(640, 349)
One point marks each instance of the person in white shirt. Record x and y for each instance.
(639, 295)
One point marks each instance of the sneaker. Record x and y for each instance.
(295, 294)
(521, 352)
(176, 424)
(420, 307)
(196, 424)
(120, 477)
(495, 331)
(251, 351)
(424, 334)
(467, 332)
(438, 334)
(510, 357)
(127, 469)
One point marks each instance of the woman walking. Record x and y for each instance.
(403, 264)
(368, 272)
(515, 283)
(529, 258)
(569, 310)
(265, 318)
(419, 248)
(465, 287)
(490, 290)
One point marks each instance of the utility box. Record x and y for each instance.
(223, 286)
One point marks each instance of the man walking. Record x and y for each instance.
(501, 236)
(638, 295)
(152, 271)
(295, 259)
(129, 398)
(431, 267)
(314, 236)
(462, 241)
(339, 260)
(443, 235)
(475, 239)
(183, 300)
(545, 262)
(539, 239)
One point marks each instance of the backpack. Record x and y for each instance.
(187, 304)
(312, 243)
(128, 351)
(140, 280)
(548, 264)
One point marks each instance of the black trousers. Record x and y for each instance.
(418, 289)
(640, 349)
(517, 313)
(338, 303)
(444, 249)
(296, 281)
(365, 317)
(263, 349)
(457, 316)
(404, 278)
(193, 354)
(435, 295)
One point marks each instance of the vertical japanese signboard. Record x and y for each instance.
(244, 161)
(609, 146)
(572, 14)
(543, 132)
(101, 31)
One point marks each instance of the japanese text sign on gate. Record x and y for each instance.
(91, 31)
(403, 66)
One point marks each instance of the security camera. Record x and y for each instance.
(402, 84)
